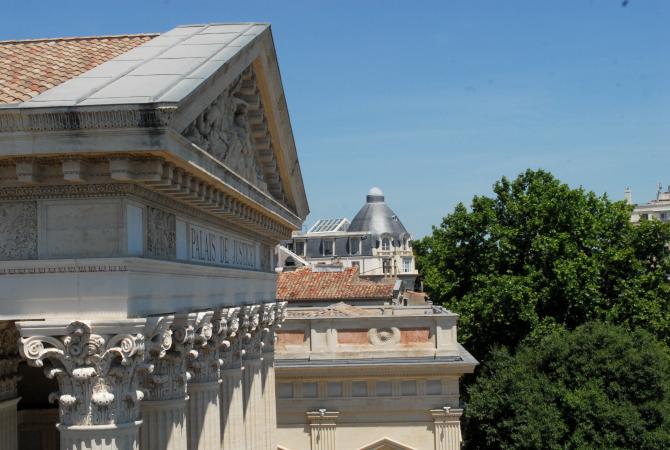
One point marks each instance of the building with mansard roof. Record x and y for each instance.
(375, 241)
(144, 183)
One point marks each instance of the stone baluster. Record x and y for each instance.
(447, 428)
(204, 420)
(98, 367)
(232, 400)
(322, 429)
(164, 406)
(9, 365)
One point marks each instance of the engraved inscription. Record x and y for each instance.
(18, 230)
(211, 247)
(161, 242)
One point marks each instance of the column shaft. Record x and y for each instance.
(204, 420)
(164, 425)
(8, 424)
(270, 401)
(100, 437)
(254, 416)
(232, 410)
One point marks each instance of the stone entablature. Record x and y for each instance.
(360, 377)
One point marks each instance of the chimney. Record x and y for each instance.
(628, 196)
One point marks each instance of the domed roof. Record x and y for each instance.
(376, 217)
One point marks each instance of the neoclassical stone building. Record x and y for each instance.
(144, 181)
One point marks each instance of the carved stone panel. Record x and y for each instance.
(161, 234)
(234, 130)
(18, 230)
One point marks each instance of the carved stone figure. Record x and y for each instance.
(223, 130)
(161, 234)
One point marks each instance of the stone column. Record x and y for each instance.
(322, 428)
(164, 407)
(273, 316)
(232, 396)
(204, 420)
(9, 366)
(447, 428)
(98, 366)
(254, 420)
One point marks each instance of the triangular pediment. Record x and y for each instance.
(386, 444)
(239, 116)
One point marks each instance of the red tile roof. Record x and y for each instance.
(306, 285)
(28, 68)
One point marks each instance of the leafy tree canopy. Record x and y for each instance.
(599, 386)
(540, 254)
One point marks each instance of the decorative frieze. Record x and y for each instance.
(161, 234)
(18, 230)
(82, 120)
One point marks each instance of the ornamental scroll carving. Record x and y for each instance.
(161, 234)
(223, 130)
(18, 230)
(98, 375)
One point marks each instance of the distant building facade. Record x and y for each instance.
(657, 209)
(375, 241)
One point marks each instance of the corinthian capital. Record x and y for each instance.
(97, 366)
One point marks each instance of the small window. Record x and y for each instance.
(664, 216)
(309, 390)
(285, 390)
(359, 389)
(386, 265)
(386, 244)
(384, 388)
(354, 246)
(334, 389)
(300, 248)
(327, 247)
(407, 265)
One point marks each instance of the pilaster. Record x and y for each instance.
(9, 365)
(322, 429)
(98, 366)
(447, 428)
(232, 396)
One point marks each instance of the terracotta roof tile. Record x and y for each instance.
(306, 285)
(28, 68)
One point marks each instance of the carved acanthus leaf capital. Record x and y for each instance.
(97, 371)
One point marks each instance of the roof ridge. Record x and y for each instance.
(77, 38)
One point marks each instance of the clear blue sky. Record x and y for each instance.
(434, 101)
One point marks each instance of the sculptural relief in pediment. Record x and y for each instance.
(233, 130)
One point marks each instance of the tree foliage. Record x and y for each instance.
(599, 386)
(539, 254)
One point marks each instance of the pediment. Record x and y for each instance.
(239, 116)
(386, 444)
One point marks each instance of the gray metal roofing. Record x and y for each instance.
(164, 69)
(376, 217)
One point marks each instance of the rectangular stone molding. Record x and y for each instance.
(232, 409)
(322, 429)
(447, 428)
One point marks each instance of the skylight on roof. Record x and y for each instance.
(329, 225)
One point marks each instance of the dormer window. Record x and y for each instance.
(327, 247)
(354, 246)
(386, 244)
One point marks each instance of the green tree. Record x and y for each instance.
(539, 254)
(597, 387)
